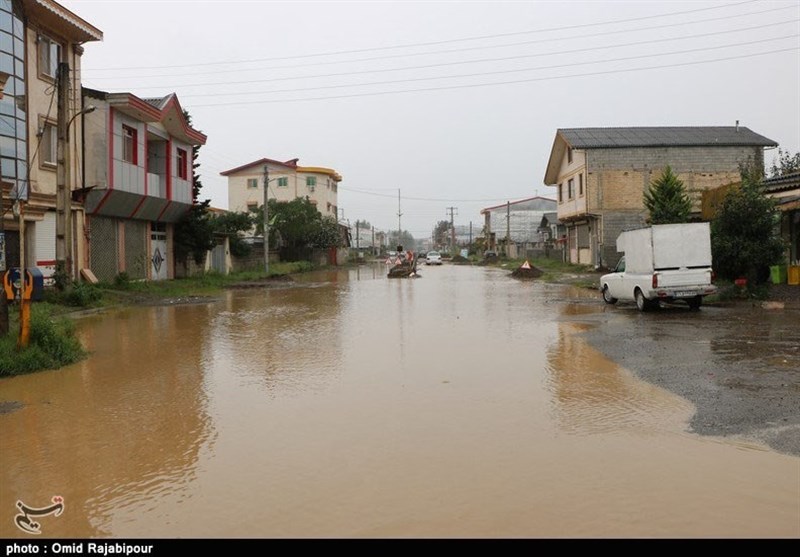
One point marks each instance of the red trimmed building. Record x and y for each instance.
(138, 182)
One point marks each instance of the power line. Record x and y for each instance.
(434, 43)
(465, 62)
(433, 52)
(511, 82)
(498, 72)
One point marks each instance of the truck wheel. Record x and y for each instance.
(695, 303)
(607, 297)
(641, 302)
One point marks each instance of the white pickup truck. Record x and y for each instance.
(662, 263)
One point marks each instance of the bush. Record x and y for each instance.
(53, 344)
(122, 280)
(82, 294)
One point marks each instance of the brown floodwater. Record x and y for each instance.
(459, 404)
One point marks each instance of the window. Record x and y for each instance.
(311, 181)
(183, 164)
(49, 54)
(252, 207)
(329, 207)
(569, 155)
(283, 182)
(49, 144)
(129, 145)
(570, 188)
(580, 185)
(561, 193)
(252, 183)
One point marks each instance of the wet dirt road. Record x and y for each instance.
(460, 404)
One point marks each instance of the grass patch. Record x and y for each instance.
(53, 343)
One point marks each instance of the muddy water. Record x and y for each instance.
(458, 404)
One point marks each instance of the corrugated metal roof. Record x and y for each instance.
(694, 136)
(785, 182)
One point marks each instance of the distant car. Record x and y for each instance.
(392, 254)
(433, 258)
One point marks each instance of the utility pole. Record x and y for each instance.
(508, 225)
(470, 233)
(373, 242)
(266, 220)
(451, 210)
(62, 194)
(3, 265)
(399, 214)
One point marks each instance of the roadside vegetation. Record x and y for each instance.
(53, 343)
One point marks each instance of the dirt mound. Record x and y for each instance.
(527, 271)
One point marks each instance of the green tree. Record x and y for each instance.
(666, 199)
(440, 232)
(327, 234)
(743, 238)
(297, 225)
(784, 163)
(232, 224)
(194, 235)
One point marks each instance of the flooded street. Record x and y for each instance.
(346, 404)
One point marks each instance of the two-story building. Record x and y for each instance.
(138, 182)
(287, 181)
(37, 39)
(601, 174)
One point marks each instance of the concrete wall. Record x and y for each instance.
(40, 91)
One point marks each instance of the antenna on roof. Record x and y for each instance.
(737, 126)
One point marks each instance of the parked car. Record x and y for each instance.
(433, 258)
(662, 263)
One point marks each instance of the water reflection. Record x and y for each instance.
(460, 404)
(593, 394)
(114, 434)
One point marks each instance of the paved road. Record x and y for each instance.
(739, 364)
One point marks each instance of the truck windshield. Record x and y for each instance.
(620, 268)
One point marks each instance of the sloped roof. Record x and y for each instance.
(780, 183)
(503, 205)
(695, 136)
(260, 162)
(631, 137)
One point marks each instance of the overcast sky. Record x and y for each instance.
(454, 104)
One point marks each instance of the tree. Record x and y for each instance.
(743, 239)
(231, 224)
(440, 232)
(327, 234)
(296, 226)
(784, 164)
(193, 232)
(666, 199)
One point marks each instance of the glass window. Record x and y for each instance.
(47, 148)
(570, 188)
(49, 54)
(183, 164)
(6, 42)
(8, 146)
(560, 193)
(580, 184)
(283, 182)
(252, 183)
(8, 167)
(129, 147)
(311, 180)
(5, 21)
